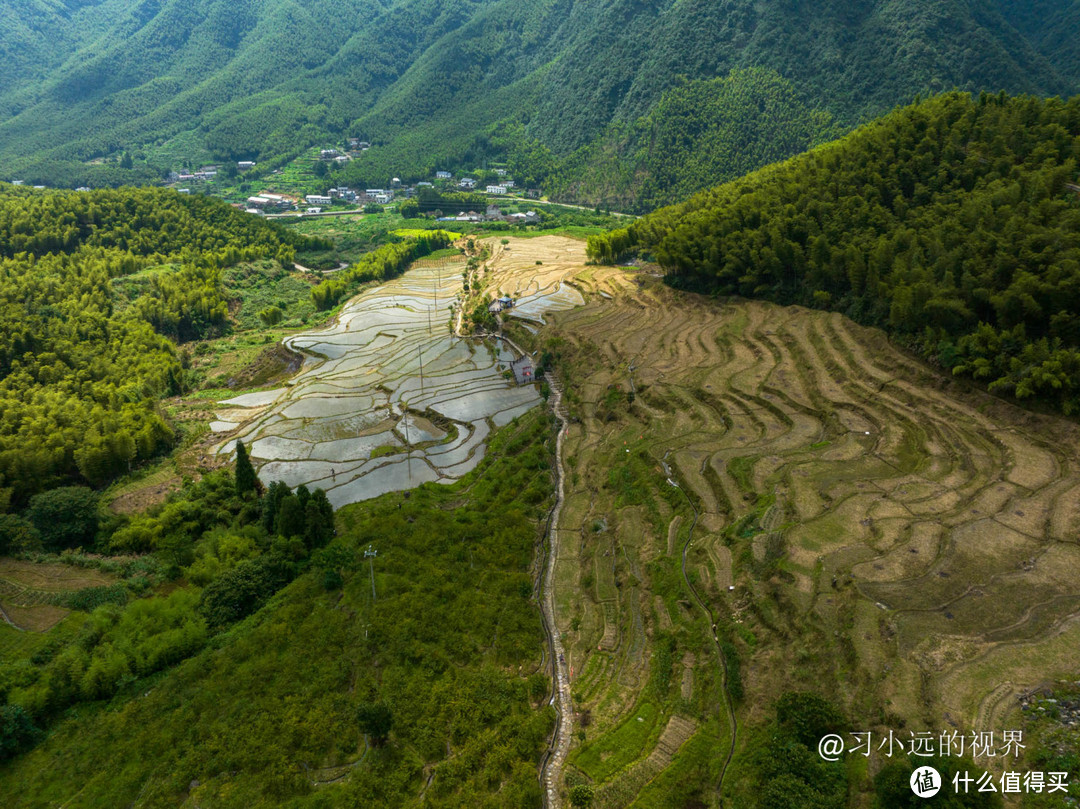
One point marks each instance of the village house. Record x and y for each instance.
(496, 189)
(328, 154)
(278, 200)
(468, 183)
(318, 199)
(244, 165)
(443, 175)
(501, 172)
(258, 202)
(523, 370)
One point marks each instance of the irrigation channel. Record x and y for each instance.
(388, 397)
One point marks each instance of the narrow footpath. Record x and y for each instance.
(551, 768)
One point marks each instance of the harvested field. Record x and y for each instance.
(28, 588)
(51, 577)
(882, 525)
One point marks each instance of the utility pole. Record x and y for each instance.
(370, 555)
(408, 443)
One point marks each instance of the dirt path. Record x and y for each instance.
(8, 620)
(551, 769)
(343, 266)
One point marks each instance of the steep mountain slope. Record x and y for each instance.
(1052, 27)
(37, 35)
(434, 82)
(953, 223)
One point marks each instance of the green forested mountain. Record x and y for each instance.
(440, 83)
(36, 36)
(955, 223)
(95, 288)
(701, 132)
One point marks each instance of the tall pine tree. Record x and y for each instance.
(246, 481)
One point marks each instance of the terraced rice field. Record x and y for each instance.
(389, 397)
(867, 528)
(27, 590)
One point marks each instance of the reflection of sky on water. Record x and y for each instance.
(323, 428)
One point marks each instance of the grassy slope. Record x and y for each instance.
(268, 711)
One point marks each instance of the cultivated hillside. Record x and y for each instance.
(953, 223)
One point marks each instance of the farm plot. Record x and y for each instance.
(29, 590)
(866, 528)
(388, 398)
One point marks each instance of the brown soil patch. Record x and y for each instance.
(40, 618)
(51, 577)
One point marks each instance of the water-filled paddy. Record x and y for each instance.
(390, 380)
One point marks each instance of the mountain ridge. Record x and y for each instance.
(431, 82)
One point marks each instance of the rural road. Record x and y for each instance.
(551, 770)
(303, 215)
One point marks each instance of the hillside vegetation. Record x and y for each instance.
(441, 84)
(364, 682)
(953, 223)
(96, 289)
(701, 133)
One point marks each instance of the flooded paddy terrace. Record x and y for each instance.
(362, 419)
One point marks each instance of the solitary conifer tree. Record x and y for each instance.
(245, 472)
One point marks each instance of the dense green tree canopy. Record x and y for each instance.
(94, 289)
(955, 223)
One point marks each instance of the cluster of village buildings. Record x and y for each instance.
(314, 203)
(264, 203)
(493, 214)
